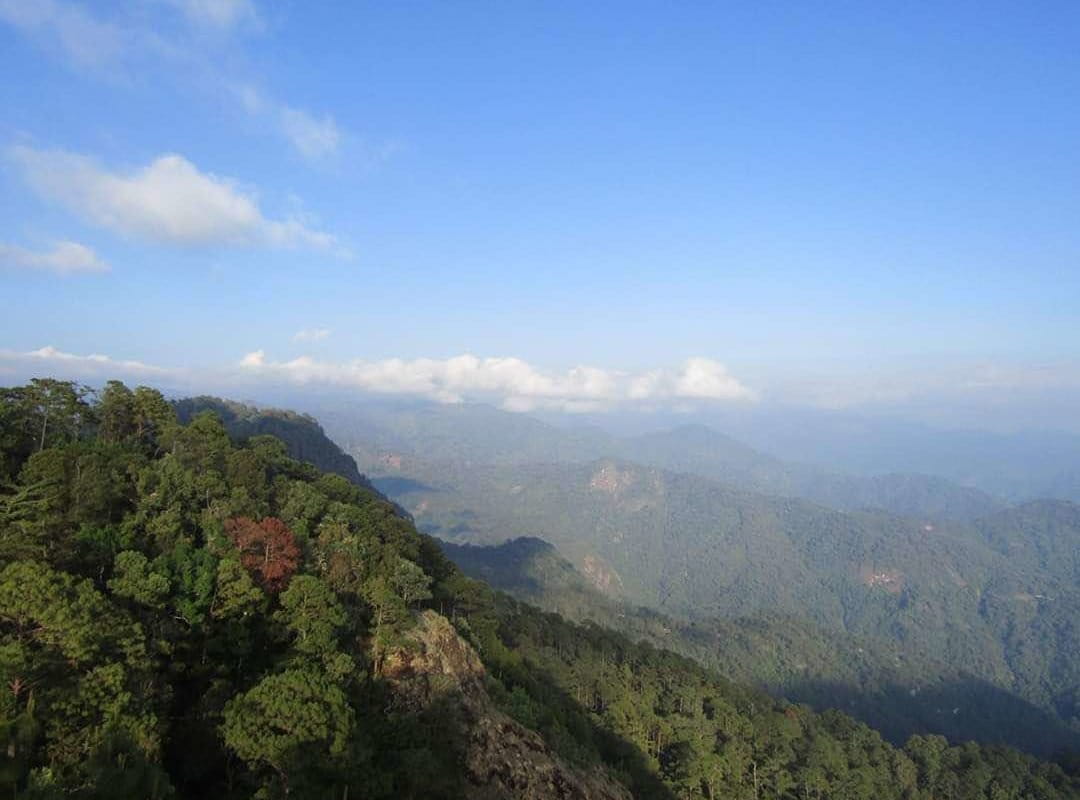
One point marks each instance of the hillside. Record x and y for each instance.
(303, 436)
(691, 547)
(871, 679)
(184, 616)
(477, 434)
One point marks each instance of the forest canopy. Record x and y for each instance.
(185, 614)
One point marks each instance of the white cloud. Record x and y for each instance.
(516, 384)
(125, 48)
(168, 201)
(65, 258)
(71, 365)
(510, 382)
(705, 378)
(313, 138)
(253, 360)
(312, 335)
(88, 42)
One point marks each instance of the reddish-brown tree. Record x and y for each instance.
(268, 550)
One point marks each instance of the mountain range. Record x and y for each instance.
(472, 433)
(187, 610)
(975, 592)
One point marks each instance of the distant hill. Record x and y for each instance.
(702, 450)
(871, 679)
(477, 434)
(1017, 466)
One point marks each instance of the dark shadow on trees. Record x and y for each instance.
(959, 710)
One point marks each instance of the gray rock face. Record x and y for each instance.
(503, 759)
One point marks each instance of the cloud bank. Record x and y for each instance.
(511, 382)
(65, 258)
(1000, 396)
(51, 361)
(169, 201)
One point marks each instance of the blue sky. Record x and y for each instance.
(840, 204)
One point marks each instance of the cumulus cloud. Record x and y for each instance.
(516, 384)
(65, 258)
(312, 335)
(513, 383)
(705, 378)
(168, 201)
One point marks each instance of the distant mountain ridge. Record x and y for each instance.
(690, 546)
(695, 523)
(1017, 466)
(478, 434)
(703, 451)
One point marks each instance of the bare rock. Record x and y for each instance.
(502, 758)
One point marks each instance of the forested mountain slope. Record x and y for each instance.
(478, 434)
(692, 547)
(872, 679)
(183, 616)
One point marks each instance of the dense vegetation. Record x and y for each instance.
(997, 599)
(302, 434)
(872, 679)
(185, 615)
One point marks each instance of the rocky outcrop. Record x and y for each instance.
(502, 758)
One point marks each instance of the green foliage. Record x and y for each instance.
(302, 436)
(290, 721)
(709, 738)
(314, 615)
(236, 596)
(981, 614)
(410, 582)
(42, 414)
(57, 612)
(147, 650)
(134, 580)
(872, 679)
(76, 663)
